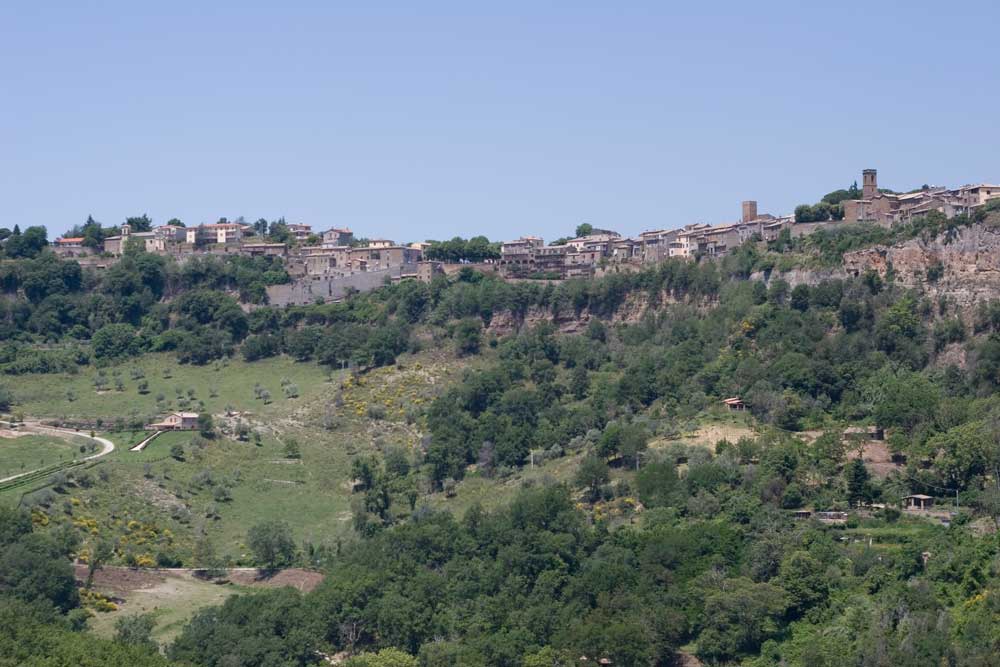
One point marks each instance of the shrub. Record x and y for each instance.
(113, 341)
(136, 630)
(271, 544)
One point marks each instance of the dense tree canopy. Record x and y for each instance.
(476, 249)
(649, 543)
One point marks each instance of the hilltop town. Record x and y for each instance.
(499, 335)
(784, 411)
(325, 265)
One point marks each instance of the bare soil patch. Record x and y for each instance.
(120, 581)
(708, 436)
(304, 580)
(877, 458)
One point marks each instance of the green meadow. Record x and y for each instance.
(30, 452)
(116, 392)
(182, 485)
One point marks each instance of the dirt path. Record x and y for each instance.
(121, 580)
(66, 434)
(142, 445)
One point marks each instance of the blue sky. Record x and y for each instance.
(435, 119)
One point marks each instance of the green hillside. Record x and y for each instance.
(520, 474)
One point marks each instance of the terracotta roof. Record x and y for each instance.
(72, 239)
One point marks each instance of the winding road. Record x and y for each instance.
(66, 434)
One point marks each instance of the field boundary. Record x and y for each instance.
(20, 479)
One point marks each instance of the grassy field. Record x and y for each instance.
(29, 452)
(892, 537)
(152, 503)
(172, 600)
(172, 597)
(222, 485)
(707, 431)
(492, 493)
(171, 386)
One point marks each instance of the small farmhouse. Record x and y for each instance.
(176, 421)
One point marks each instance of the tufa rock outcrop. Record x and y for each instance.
(963, 266)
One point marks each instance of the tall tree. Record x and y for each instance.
(858, 482)
(140, 223)
(271, 544)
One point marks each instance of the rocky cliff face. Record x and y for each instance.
(964, 266)
(630, 312)
(801, 276)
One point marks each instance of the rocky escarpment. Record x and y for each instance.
(962, 266)
(811, 277)
(569, 321)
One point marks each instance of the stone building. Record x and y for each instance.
(70, 247)
(299, 231)
(344, 260)
(264, 249)
(176, 421)
(716, 241)
(528, 256)
(654, 245)
(222, 233)
(374, 258)
(326, 260)
(338, 237)
(626, 250)
(518, 257)
(889, 208)
(422, 271)
(158, 241)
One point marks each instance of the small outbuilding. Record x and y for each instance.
(734, 403)
(918, 501)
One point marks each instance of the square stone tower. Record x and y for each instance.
(870, 183)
